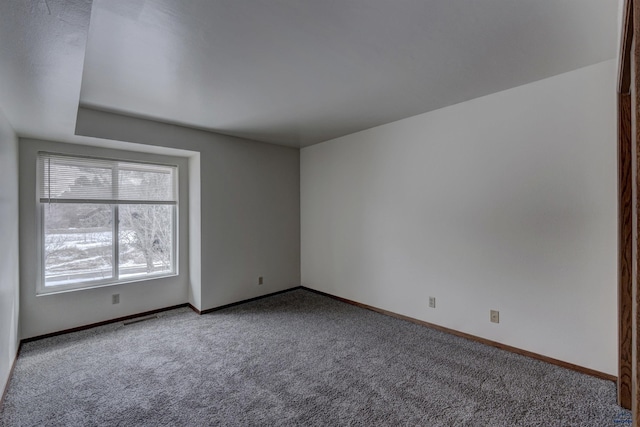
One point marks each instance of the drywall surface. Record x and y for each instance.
(249, 205)
(505, 202)
(620, 18)
(9, 272)
(195, 234)
(54, 312)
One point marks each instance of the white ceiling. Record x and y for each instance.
(293, 72)
(42, 46)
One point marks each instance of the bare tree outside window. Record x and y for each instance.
(78, 235)
(78, 242)
(146, 237)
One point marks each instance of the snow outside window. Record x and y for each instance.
(105, 221)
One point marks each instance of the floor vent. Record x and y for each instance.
(139, 319)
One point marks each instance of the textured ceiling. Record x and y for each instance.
(287, 72)
(42, 46)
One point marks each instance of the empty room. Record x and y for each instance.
(319, 213)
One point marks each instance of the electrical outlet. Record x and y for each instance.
(260, 280)
(115, 299)
(432, 302)
(495, 316)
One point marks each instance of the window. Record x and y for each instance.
(105, 221)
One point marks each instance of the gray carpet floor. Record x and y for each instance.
(297, 358)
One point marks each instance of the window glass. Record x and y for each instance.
(78, 243)
(105, 221)
(146, 239)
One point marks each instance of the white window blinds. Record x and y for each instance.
(68, 179)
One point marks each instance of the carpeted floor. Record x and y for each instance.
(297, 358)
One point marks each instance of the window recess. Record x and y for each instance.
(105, 221)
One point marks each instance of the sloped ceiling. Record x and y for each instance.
(287, 72)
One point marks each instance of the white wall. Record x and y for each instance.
(243, 222)
(505, 202)
(9, 273)
(54, 312)
(249, 205)
(195, 234)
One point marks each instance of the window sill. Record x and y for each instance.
(63, 289)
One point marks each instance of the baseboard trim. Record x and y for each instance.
(485, 341)
(233, 304)
(148, 313)
(193, 308)
(104, 322)
(6, 386)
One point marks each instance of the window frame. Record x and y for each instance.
(42, 289)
